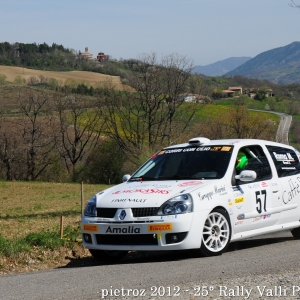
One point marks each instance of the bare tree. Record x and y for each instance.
(293, 4)
(77, 129)
(151, 115)
(36, 139)
(8, 145)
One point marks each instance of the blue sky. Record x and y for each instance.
(204, 31)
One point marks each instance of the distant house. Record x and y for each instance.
(86, 55)
(237, 89)
(102, 57)
(187, 98)
(195, 98)
(232, 90)
(251, 92)
(228, 93)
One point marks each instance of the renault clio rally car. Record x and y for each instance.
(194, 196)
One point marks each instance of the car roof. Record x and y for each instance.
(202, 142)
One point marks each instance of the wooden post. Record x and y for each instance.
(61, 226)
(82, 199)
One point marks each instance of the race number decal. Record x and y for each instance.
(261, 200)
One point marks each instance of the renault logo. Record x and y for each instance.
(122, 215)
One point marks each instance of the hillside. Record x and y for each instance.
(221, 67)
(279, 65)
(88, 78)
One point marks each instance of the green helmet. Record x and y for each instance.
(242, 161)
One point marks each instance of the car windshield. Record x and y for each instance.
(186, 163)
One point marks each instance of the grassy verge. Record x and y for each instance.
(30, 224)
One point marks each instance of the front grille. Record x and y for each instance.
(104, 212)
(126, 239)
(144, 211)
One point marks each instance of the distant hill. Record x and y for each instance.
(221, 67)
(279, 65)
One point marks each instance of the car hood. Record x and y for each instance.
(146, 193)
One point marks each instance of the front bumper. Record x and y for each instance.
(176, 232)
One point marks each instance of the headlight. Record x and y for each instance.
(90, 209)
(178, 205)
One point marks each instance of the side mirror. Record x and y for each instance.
(126, 177)
(246, 175)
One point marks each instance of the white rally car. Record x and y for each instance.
(200, 195)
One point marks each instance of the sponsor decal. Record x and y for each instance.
(239, 200)
(239, 222)
(143, 219)
(264, 184)
(91, 228)
(129, 200)
(230, 210)
(220, 190)
(238, 189)
(230, 203)
(292, 192)
(207, 196)
(203, 149)
(216, 148)
(285, 158)
(173, 151)
(121, 230)
(274, 184)
(160, 227)
(288, 168)
(257, 219)
(168, 217)
(143, 191)
(266, 216)
(226, 148)
(254, 186)
(189, 149)
(188, 183)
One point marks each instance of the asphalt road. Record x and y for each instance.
(269, 254)
(283, 128)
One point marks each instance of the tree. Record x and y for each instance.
(77, 130)
(36, 138)
(105, 164)
(8, 146)
(151, 115)
(18, 80)
(238, 122)
(293, 4)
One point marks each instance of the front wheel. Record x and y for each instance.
(108, 256)
(216, 233)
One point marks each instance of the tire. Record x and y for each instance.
(108, 256)
(296, 233)
(216, 233)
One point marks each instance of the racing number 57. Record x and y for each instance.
(259, 201)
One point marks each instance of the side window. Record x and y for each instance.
(253, 158)
(286, 161)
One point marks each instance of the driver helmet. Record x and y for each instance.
(241, 161)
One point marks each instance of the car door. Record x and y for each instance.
(287, 166)
(253, 201)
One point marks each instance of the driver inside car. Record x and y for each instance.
(241, 161)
